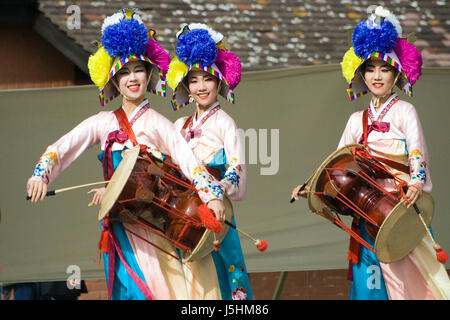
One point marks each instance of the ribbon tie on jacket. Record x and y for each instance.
(115, 136)
(376, 126)
(194, 133)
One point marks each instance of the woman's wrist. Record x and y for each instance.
(44, 167)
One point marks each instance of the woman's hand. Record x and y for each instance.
(296, 193)
(36, 189)
(218, 208)
(412, 195)
(98, 196)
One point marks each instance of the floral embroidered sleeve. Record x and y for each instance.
(232, 177)
(416, 146)
(207, 187)
(417, 168)
(44, 167)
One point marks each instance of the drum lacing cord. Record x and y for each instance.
(165, 206)
(148, 241)
(150, 229)
(353, 234)
(350, 204)
(170, 177)
(169, 209)
(343, 226)
(402, 187)
(399, 183)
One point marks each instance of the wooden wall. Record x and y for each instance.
(29, 61)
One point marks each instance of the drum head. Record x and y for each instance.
(402, 230)
(313, 202)
(206, 245)
(118, 181)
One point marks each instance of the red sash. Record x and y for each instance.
(125, 125)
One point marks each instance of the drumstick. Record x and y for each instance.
(301, 188)
(53, 192)
(261, 244)
(239, 230)
(405, 190)
(441, 255)
(210, 222)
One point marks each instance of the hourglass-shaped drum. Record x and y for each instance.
(152, 194)
(349, 182)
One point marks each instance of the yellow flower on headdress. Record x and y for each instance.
(99, 65)
(177, 71)
(350, 62)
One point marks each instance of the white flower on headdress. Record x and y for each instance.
(393, 19)
(215, 35)
(381, 12)
(116, 18)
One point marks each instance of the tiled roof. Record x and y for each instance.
(268, 34)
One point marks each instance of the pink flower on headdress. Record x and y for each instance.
(230, 67)
(157, 54)
(410, 58)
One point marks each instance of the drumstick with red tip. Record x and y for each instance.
(54, 192)
(259, 243)
(210, 222)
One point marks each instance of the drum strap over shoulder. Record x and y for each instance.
(120, 136)
(365, 125)
(125, 125)
(188, 121)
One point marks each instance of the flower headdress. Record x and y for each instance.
(380, 36)
(125, 38)
(201, 47)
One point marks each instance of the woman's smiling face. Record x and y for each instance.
(203, 87)
(379, 77)
(132, 80)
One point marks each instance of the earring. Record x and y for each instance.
(191, 99)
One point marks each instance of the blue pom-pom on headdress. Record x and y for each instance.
(129, 36)
(196, 46)
(368, 38)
